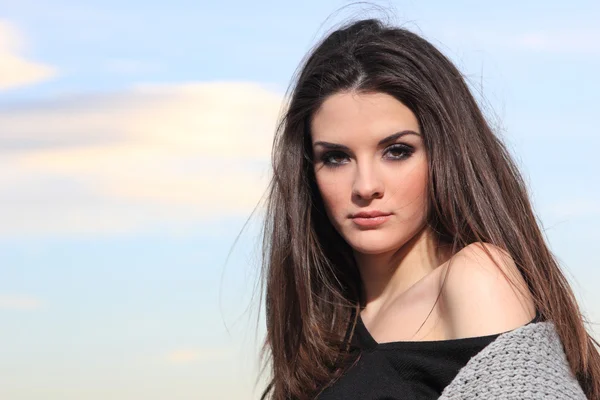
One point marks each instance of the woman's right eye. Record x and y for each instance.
(334, 158)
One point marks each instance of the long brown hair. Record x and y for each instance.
(476, 194)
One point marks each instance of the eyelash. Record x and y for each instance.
(405, 149)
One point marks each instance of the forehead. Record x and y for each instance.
(344, 116)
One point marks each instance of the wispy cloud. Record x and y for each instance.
(183, 356)
(19, 302)
(152, 155)
(193, 355)
(576, 207)
(15, 70)
(561, 41)
(558, 41)
(125, 66)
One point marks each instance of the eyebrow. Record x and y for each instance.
(386, 140)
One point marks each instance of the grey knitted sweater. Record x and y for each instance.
(526, 363)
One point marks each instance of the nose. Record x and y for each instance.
(367, 183)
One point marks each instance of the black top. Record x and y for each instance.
(405, 370)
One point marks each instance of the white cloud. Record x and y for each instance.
(193, 355)
(16, 71)
(183, 356)
(19, 302)
(155, 155)
(572, 208)
(565, 41)
(126, 66)
(560, 41)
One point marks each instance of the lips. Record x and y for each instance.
(370, 219)
(370, 214)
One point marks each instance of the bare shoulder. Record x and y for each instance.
(477, 296)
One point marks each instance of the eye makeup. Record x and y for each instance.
(395, 152)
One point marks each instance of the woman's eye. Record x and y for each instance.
(334, 158)
(399, 151)
(394, 152)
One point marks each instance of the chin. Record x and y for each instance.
(372, 250)
(375, 244)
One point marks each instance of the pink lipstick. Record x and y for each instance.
(370, 219)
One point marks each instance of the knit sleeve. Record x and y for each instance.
(526, 363)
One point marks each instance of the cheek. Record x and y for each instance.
(410, 194)
(333, 192)
(417, 182)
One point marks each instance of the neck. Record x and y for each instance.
(385, 276)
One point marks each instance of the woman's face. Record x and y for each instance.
(369, 158)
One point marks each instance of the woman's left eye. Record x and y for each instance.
(334, 158)
(398, 151)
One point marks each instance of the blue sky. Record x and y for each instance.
(134, 144)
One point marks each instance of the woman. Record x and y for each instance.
(402, 256)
